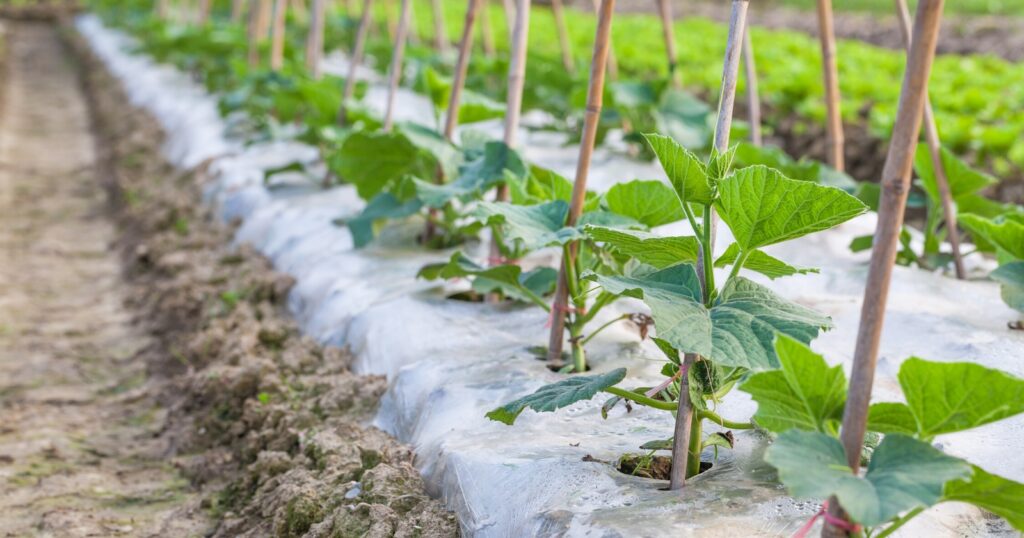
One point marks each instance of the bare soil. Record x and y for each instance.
(151, 381)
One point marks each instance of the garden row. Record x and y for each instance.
(731, 327)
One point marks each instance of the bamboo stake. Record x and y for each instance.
(510, 16)
(668, 30)
(389, 17)
(162, 9)
(299, 8)
(277, 35)
(687, 425)
(264, 21)
(931, 134)
(237, 9)
(613, 62)
(440, 35)
(256, 23)
(395, 71)
(827, 36)
(895, 188)
(753, 101)
(563, 35)
(514, 99)
(357, 55)
(486, 30)
(315, 40)
(203, 12)
(592, 117)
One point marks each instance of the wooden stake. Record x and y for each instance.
(486, 30)
(895, 188)
(395, 71)
(510, 16)
(753, 101)
(315, 39)
(931, 134)
(237, 9)
(685, 418)
(256, 25)
(440, 34)
(203, 12)
(827, 36)
(356, 58)
(563, 36)
(389, 17)
(591, 120)
(277, 35)
(668, 31)
(613, 62)
(461, 68)
(299, 8)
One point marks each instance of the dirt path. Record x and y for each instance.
(77, 454)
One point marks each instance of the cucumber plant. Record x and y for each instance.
(1006, 235)
(727, 332)
(803, 401)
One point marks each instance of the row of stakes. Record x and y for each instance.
(919, 37)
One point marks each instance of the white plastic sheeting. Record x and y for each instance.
(449, 362)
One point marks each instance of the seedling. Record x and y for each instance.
(1006, 234)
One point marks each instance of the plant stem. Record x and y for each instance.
(737, 265)
(641, 399)
(694, 449)
(900, 522)
(688, 211)
(707, 263)
(603, 327)
(725, 423)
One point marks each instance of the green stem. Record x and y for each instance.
(536, 299)
(571, 281)
(688, 211)
(603, 299)
(707, 263)
(737, 265)
(694, 449)
(641, 399)
(900, 522)
(603, 327)
(725, 423)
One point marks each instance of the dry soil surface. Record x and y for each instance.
(76, 456)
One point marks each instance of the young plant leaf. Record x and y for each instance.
(763, 207)
(1005, 233)
(760, 262)
(1011, 280)
(372, 161)
(957, 396)
(650, 202)
(645, 247)
(904, 473)
(804, 393)
(685, 171)
(499, 163)
(384, 206)
(536, 226)
(558, 395)
(998, 495)
(739, 330)
(891, 417)
(963, 179)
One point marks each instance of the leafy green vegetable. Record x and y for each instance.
(686, 172)
(650, 202)
(508, 279)
(534, 226)
(760, 262)
(996, 494)
(645, 247)
(558, 395)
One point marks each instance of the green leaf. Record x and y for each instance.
(998, 495)
(498, 164)
(507, 279)
(543, 185)
(475, 107)
(651, 202)
(685, 171)
(762, 207)
(891, 417)
(1005, 233)
(645, 247)
(962, 179)
(373, 161)
(558, 395)
(444, 152)
(761, 262)
(535, 226)
(904, 473)
(956, 396)
(1011, 280)
(804, 393)
(739, 330)
(384, 206)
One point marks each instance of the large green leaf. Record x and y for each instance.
(762, 207)
(739, 330)
(904, 473)
(651, 202)
(761, 262)
(498, 163)
(645, 247)
(963, 179)
(1005, 233)
(1011, 280)
(891, 417)
(373, 161)
(447, 156)
(558, 395)
(998, 495)
(955, 396)
(685, 171)
(804, 393)
(535, 226)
